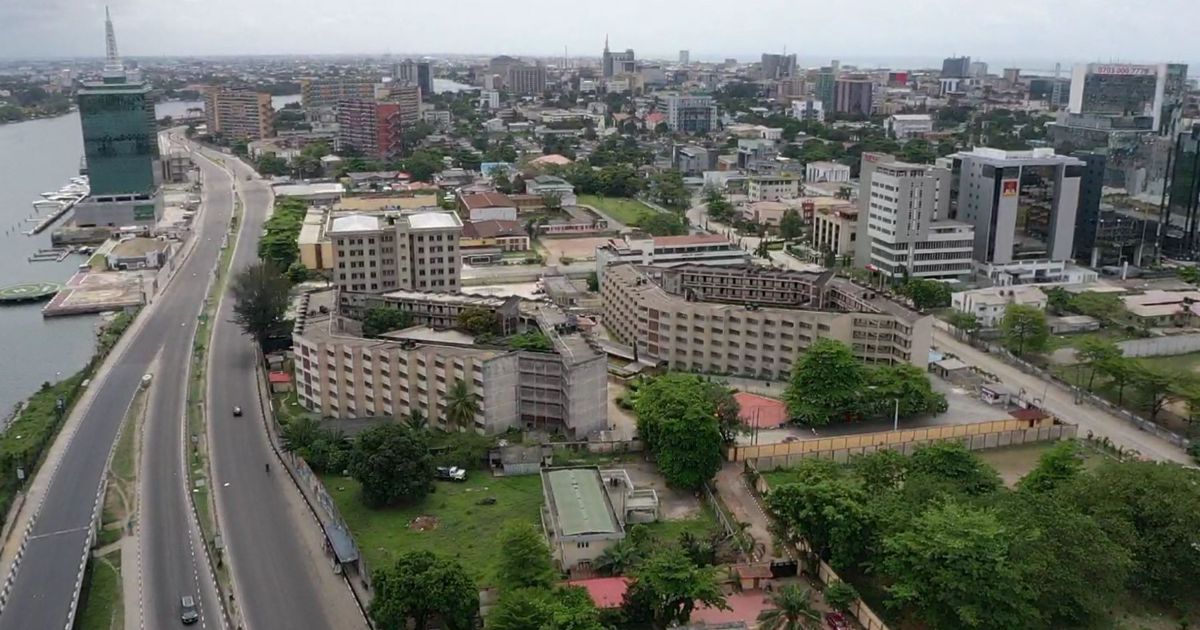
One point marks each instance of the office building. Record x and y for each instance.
(684, 58)
(339, 374)
(615, 63)
(326, 93)
(238, 113)
(666, 251)
(120, 146)
(692, 160)
(904, 126)
(818, 172)
(1122, 90)
(776, 67)
(978, 70)
(1055, 91)
(809, 109)
(827, 78)
(956, 67)
(772, 188)
(378, 253)
(989, 304)
(903, 222)
(753, 321)
(691, 113)
(791, 88)
(854, 96)
(370, 127)
(835, 230)
(415, 73)
(1103, 236)
(1012, 76)
(1179, 215)
(1023, 205)
(526, 79)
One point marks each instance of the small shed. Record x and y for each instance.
(520, 459)
(995, 394)
(947, 367)
(280, 382)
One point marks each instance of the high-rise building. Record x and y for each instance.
(526, 79)
(684, 58)
(370, 127)
(1179, 236)
(1103, 236)
(614, 63)
(120, 145)
(1023, 205)
(854, 96)
(826, 82)
(1123, 90)
(325, 93)
(418, 73)
(903, 222)
(408, 97)
(956, 67)
(238, 113)
(691, 113)
(778, 66)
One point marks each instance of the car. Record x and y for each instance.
(189, 614)
(237, 411)
(451, 473)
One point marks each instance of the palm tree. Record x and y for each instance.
(791, 610)
(300, 433)
(416, 420)
(461, 405)
(618, 558)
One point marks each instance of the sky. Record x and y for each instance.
(879, 31)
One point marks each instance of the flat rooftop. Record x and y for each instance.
(446, 298)
(433, 220)
(578, 503)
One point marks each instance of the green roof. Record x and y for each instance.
(580, 503)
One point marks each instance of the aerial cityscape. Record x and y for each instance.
(523, 321)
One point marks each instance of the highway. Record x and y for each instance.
(44, 589)
(280, 574)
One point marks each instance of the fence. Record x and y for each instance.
(974, 436)
(1160, 346)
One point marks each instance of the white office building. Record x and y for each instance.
(903, 126)
(816, 172)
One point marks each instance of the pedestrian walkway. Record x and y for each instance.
(741, 502)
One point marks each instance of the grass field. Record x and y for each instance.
(464, 529)
(101, 607)
(1075, 340)
(627, 211)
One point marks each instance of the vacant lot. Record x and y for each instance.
(583, 248)
(627, 211)
(1014, 462)
(449, 522)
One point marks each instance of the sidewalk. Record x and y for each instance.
(731, 487)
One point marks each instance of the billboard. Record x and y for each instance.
(1008, 188)
(1125, 70)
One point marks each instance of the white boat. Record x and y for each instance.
(47, 204)
(49, 194)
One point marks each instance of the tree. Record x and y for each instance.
(1121, 371)
(830, 514)
(927, 294)
(416, 420)
(618, 558)
(668, 585)
(533, 341)
(422, 165)
(951, 461)
(479, 321)
(552, 200)
(461, 405)
(421, 587)
(260, 294)
(281, 231)
(669, 191)
(953, 568)
(1024, 328)
(501, 180)
(1094, 352)
(663, 224)
(965, 322)
(1154, 386)
(1060, 464)
(908, 384)
(677, 418)
(593, 282)
(880, 471)
(393, 465)
(840, 596)
(567, 608)
(827, 384)
(791, 609)
(790, 224)
(380, 319)
(271, 164)
(525, 561)
(720, 210)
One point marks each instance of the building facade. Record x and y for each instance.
(239, 113)
(764, 188)
(370, 127)
(834, 172)
(809, 109)
(854, 96)
(703, 249)
(414, 73)
(327, 93)
(835, 230)
(753, 321)
(526, 79)
(776, 67)
(691, 113)
(902, 126)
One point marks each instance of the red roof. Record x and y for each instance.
(688, 239)
(608, 592)
(279, 377)
(654, 118)
(493, 228)
(487, 200)
(761, 412)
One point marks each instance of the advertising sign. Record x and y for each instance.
(1008, 188)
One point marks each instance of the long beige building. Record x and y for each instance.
(378, 253)
(753, 321)
(340, 374)
(238, 113)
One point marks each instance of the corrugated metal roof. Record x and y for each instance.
(580, 502)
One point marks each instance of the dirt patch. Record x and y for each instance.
(423, 523)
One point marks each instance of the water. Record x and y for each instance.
(36, 156)
(175, 109)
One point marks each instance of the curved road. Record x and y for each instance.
(43, 592)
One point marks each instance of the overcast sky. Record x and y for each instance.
(883, 30)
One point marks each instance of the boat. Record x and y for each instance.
(49, 194)
(47, 204)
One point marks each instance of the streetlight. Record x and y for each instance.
(895, 414)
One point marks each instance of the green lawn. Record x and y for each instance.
(1075, 340)
(465, 530)
(627, 211)
(700, 526)
(1183, 365)
(101, 606)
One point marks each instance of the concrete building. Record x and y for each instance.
(326, 93)
(120, 147)
(691, 113)
(578, 517)
(379, 253)
(316, 250)
(1119, 90)
(809, 109)
(903, 222)
(956, 67)
(902, 126)
(753, 321)
(703, 249)
(692, 160)
(408, 97)
(776, 67)
(1023, 205)
(827, 78)
(414, 73)
(342, 375)
(834, 172)
(988, 305)
(486, 241)
(764, 188)
(238, 113)
(854, 96)
(370, 127)
(441, 310)
(765, 212)
(551, 185)
(684, 57)
(488, 206)
(526, 79)
(617, 63)
(835, 230)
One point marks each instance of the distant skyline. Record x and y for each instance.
(923, 31)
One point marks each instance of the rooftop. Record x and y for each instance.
(689, 239)
(434, 220)
(492, 229)
(487, 200)
(305, 190)
(428, 334)
(355, 223)
(579, 506)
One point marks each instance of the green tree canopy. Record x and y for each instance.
(663, 224)
(479, 321)
(677, 417)
(1093, 352)
(525, 558)
(393, 465)
(927, 294)
(667, 586)
(381, 319)
(830, 514)
(827, 384)
(791, 225)
(791, 609)
(421, 588)
(260, 293)
(567, 608)
(1057, 466)
(1025, 329)
(951, 461)
(907, 383)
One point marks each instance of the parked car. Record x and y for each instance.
(237, 411)
(837, 621)
(189, 614)
(451, 473)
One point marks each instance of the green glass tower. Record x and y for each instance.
(120, 140)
